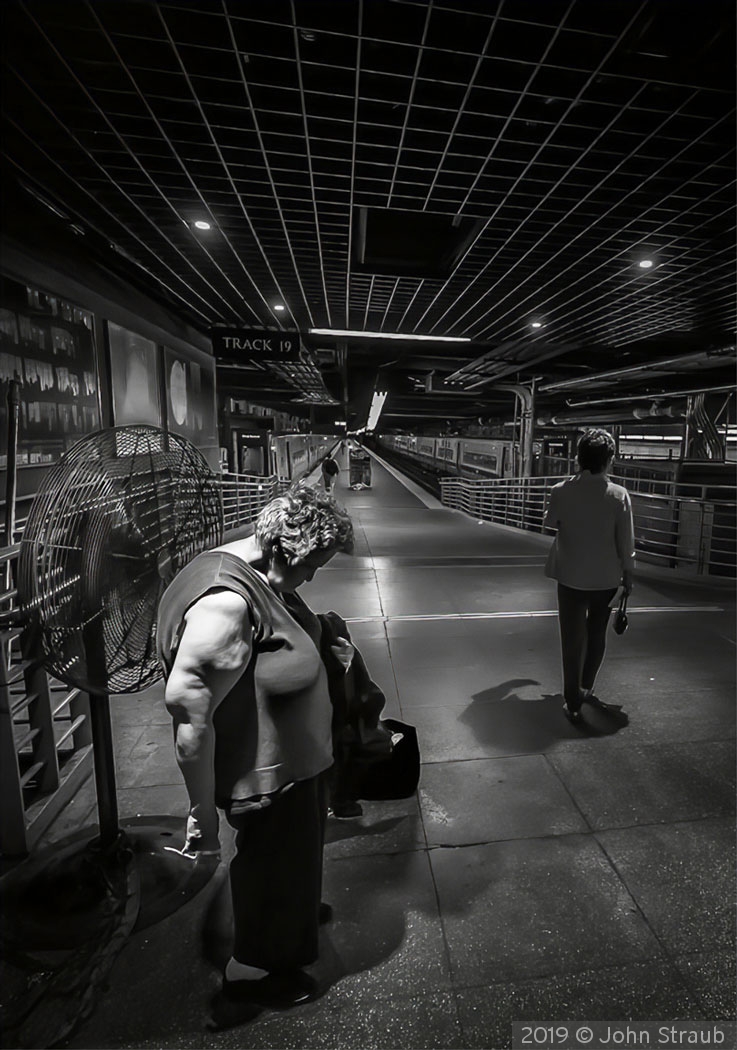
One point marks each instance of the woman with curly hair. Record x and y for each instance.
(248, 693)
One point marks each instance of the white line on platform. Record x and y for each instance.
(522, 615)
(457, 568)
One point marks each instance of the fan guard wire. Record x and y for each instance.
(114, 520)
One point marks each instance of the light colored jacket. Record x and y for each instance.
(595, 542)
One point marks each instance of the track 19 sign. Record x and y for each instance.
(244, 344)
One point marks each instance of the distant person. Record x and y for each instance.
(248, 693)
(592, 555)
(330, 470)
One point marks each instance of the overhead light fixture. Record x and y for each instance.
(279, 307)
(536, 324)
(347, 333)
(201, 224)
(645, 264)
(377, 404)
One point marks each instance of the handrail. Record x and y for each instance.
(683, 531)
(245, 495)
(45, 745)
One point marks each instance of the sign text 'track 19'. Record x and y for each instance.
(249, 344)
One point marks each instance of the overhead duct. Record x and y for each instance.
(711, 357)
(673, 413)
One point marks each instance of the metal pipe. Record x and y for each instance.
(526, 399)
(104, 768)
(645, 366)
(652, 397)
(614, 415)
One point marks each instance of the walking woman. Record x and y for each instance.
(592, 555)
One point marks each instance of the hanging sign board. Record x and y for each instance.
(240, 345)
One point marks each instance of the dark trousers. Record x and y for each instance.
(276, 878)
(582, 618)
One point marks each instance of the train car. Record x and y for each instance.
(467, 457)
(426, 449)
(480, 457)
(294, 455)
(447, 452)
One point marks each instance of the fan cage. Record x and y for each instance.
(113, 522)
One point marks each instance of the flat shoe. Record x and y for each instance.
(225, 1014)
(344, 810)
(239, 1002)
(574, 717)
(278, 991)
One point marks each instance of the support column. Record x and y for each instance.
(526, 396)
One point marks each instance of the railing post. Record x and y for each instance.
(40, 716)
(707, 525)
(13, 841)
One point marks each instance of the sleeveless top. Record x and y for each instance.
(273, 727)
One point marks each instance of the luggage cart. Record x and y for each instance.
(360, 469)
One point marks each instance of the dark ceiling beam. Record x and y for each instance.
(714, 356)
(523, 366)
(476, 365)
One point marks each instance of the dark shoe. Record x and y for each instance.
(572, 714)
(325, 913)
(225, 1014)
(612, 711)
(239, 1002)
(347, 809)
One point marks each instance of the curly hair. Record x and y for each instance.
(302, 521)
(595, 449)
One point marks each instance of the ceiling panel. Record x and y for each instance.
(581, 135)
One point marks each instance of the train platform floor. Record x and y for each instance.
(544, 873)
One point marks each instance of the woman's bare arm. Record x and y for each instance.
(212, 655)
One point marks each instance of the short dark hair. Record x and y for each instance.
(595, 449)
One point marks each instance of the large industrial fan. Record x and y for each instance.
(114, 521)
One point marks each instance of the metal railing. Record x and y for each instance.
(684, 527)
(244, 495)
(45, 734)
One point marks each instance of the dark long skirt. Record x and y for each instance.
(276, 878)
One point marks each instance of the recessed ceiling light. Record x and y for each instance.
(536, 324)
(645, 264)
(279, 307)
(200, 224)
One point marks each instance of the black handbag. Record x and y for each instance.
(621, 622)
(391, 776)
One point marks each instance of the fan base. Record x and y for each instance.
(59, 899)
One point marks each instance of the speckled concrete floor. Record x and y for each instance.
(543, 873)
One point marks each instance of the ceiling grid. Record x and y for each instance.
(579, 136)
